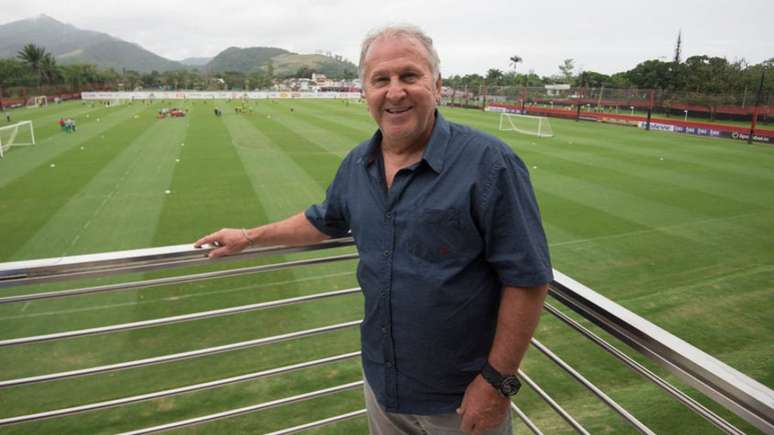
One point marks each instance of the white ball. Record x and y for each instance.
(177, 160)
(53, 165)
(167, 191)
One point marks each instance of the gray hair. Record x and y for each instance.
(400, 31)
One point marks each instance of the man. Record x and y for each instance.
(453, 259)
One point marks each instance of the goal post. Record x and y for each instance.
(19, 134)
(538, 126)
(38, 101)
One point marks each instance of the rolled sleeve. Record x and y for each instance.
(515, 241)
(330, 217)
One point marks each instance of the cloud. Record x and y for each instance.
(605, 35)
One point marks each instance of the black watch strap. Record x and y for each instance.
(507, 385)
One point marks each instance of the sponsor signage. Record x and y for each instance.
(219, 95)
(704, 131)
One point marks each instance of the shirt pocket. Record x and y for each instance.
(437, 235)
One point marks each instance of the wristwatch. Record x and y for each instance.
(507, 385)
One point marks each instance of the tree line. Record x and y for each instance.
(34, 67)
(697, 74)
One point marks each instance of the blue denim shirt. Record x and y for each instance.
(435, 251)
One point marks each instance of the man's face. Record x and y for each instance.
(400, 89)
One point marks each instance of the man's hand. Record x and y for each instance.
(483, 407)
(228, 241)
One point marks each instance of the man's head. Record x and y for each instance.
(399, 69)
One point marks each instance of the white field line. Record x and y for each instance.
(654, 229)
(168, 299)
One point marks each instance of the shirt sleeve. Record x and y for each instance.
(515, 243)
(331, 216)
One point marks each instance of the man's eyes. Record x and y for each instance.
(410, 77)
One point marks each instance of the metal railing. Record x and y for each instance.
(733, 390)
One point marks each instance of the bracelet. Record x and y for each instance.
(249, 240)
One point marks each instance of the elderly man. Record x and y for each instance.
(454, 263)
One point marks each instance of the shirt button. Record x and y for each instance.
(384, 330)
(387, 253)
(388, 363)
(388, 215)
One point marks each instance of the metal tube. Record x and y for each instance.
(175, 279)
(735, 391)
(175, 319)
(532, 427)
(686, 400)
(593, 388)
(173, 391)
(319, 423)
(179, 356)
(247, 409)
(552, 403)
(136, 260)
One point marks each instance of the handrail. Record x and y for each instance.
(136, 260)
(734, 390)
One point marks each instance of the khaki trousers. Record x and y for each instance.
(381, 422)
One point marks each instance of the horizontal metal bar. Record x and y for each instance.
(732, 389)
(530, 425)
(247, 409)
(641, 428)
(136, 260)
(320, 423)
(131, 285)
(683, 398)
(176, 319)
(173, 392)
(180, 356)
(552, 403)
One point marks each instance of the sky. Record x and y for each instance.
(471, 36)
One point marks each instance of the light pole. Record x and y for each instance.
(686, 115)
(632, 109)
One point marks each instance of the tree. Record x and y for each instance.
(678, 47)
(566, 68)
(33, 56)
(514, 61)
(49, 69)
(494, 77)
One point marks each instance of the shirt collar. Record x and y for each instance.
(435, 150)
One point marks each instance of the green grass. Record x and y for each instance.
(676, 228)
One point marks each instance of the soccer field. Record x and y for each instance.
(678, 229)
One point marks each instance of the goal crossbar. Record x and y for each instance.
(9, 133)
(527, 124)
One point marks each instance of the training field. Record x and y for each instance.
(678, 229)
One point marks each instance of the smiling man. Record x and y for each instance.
(454, 263)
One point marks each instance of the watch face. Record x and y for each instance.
(510, 385)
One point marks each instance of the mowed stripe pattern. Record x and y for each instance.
(675, 228)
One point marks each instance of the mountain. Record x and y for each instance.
(195, 61)
(70, 44)
(285, 63)
(251, 59)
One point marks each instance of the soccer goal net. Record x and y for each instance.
(38, 101)
(17, 134)
(532, 125)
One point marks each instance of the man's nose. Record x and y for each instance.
(396, 90)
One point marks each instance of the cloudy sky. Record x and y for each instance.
(471, 36)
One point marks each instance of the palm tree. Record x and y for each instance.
(515, 60)
(33, 56)
(49, 69)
